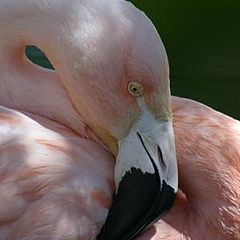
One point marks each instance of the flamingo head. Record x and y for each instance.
(117, 75)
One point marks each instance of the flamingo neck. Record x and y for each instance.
(30, 89)
(208, 155)
(27, 87)
(215, 204)
(207, 204)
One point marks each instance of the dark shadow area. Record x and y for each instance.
(202, 40)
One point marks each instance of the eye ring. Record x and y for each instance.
(135, 89)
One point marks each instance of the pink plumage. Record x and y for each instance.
(61, 130)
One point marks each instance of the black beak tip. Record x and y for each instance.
(140, 201)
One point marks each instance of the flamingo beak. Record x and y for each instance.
(146, 178)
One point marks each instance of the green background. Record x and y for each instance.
(202, 39)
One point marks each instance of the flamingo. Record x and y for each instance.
(102, 122)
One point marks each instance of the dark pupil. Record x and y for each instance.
(135, 89)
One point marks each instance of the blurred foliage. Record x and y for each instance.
(202, 39)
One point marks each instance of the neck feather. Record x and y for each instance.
(208, 152)
(27, 87)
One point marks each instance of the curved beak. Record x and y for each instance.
(146, 178)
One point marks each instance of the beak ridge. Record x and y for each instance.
(144, 191)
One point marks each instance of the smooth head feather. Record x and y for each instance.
(97, 48)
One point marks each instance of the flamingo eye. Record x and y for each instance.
(135, 89)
